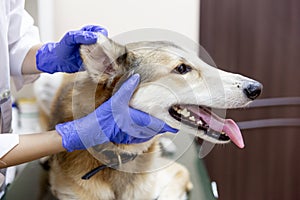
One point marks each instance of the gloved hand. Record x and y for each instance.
(113, 121)
(64, 56)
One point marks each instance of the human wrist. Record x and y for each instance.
(82, 133)
(29, 63)
(69, 136)
(42, 64)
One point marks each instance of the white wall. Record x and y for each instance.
(120, 16)
(55, 17)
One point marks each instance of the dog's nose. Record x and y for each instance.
(252, 90)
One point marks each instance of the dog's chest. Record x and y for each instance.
(124, 185)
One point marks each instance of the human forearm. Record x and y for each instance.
(29, 63)
(33, 146)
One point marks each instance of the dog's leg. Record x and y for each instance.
(173, 182)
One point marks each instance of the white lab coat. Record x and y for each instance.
(17, 36)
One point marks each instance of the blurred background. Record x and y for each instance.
(257, 38)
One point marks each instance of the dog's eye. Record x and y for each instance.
(182, 69)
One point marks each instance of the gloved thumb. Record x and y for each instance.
(160, 126)
(167, 128)
(124, 94)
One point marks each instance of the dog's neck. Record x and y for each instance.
(115, 158)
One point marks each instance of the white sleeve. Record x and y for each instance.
(22, 35)
(7, 143)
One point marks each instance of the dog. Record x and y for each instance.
(175, 86)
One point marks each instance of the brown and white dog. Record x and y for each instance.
(176, 86)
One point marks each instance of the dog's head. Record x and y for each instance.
(176, 86)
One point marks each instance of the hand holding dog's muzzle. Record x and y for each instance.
(113, 121)
(136, 123)
(64, 56)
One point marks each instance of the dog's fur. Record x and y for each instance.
(107, 65)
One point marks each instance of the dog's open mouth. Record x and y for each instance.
(202, 118)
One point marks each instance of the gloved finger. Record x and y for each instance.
(167, 128)
(150, 123)
(79, 37)
(139, 140)
(122, 97)
(94, 28)
(85, 37)
(155, 125)
(139, 117)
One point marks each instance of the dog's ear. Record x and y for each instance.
(104, 59)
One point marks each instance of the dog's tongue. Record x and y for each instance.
(222, 125)
(233, 132)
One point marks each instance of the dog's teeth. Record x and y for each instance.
(199, 122)
(185, 113)
(192, 118)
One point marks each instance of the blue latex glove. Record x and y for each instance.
(64, 56)
(113, 121)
